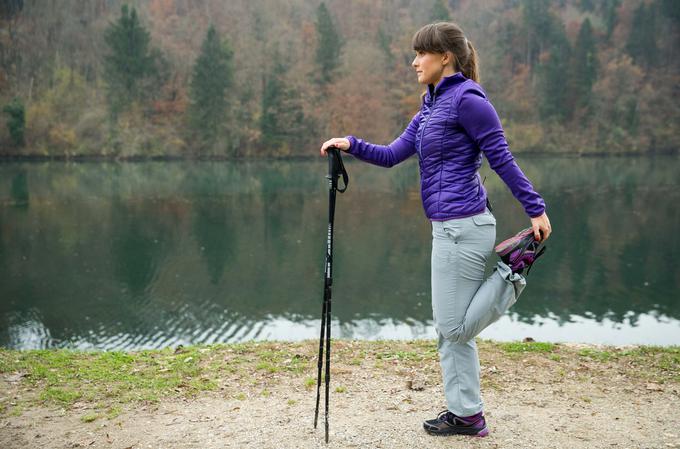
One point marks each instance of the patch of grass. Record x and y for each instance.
(267, 366)
(5, 365)
(241, 396)
(64, 376)
(340, 389)
(534, 346)
(17, 410)
(310, 382)
(62, 396)
(203, 384)
(89, 417)
(595, 354)
(113, 412)
(291, 402)
(658, 361)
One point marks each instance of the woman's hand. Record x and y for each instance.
(541, 225)
(338, 142)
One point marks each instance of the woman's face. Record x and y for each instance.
(430, 66)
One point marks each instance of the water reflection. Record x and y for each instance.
(19, 192)
(650, 329)
(155, 254)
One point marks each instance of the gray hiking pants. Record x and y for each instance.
(464, 303)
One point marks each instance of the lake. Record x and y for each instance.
(139, 255)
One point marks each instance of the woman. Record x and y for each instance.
(456, 124)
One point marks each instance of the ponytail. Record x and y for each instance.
(470, 69)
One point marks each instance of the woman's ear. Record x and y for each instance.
(448, 57)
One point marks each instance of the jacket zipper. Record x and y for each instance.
(422, 133)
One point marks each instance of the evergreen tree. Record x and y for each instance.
(671, 9)
(282, 122)
(553, 79)
(641, 45)
(537, 22)
(439, 12)
(384, 42)
(212, 76)
(608, 11)
(130, 61)
(584, 64)
(586, 5)
(16, 121)
(10, 8)
(329, 47)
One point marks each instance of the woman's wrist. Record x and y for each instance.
(351, 140)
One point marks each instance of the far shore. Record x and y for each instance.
(262, 394)
(313, 156)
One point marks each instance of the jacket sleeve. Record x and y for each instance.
(401, 149)
(480, 121)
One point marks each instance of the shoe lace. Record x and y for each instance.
(445, 415)
(537, 253)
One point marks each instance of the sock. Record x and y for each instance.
(471, 419)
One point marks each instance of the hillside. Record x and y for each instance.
(576, 76)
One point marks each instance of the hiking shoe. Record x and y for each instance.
(520, 251)
(446, 423)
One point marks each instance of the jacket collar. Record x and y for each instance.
(444, 84)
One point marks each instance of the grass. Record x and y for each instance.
(310, 382)
(111, 379)
(535, 346)
(89, 417)
(63, 377)
(656, 363)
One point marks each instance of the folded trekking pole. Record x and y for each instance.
(335, 170)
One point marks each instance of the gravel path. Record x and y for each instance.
(531, 401)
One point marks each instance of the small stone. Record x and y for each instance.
(15, 377)
(415, 384)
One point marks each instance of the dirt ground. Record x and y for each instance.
(557, 399)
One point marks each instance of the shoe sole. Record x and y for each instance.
(513, 242)
(458, 431)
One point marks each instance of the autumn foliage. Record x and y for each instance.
(572, 76)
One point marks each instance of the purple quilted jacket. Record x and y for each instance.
(455, 125)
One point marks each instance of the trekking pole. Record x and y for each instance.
(335, 170)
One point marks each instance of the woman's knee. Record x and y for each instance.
(454, 334)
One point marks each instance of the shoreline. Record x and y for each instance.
(204, 396)
(313, 157)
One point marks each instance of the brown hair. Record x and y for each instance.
(441, 37)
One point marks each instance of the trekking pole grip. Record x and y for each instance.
(336, 169)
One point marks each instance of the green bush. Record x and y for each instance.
(16, 122)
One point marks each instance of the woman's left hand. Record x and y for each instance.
(541, 225)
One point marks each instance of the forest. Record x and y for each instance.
(275, 78)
